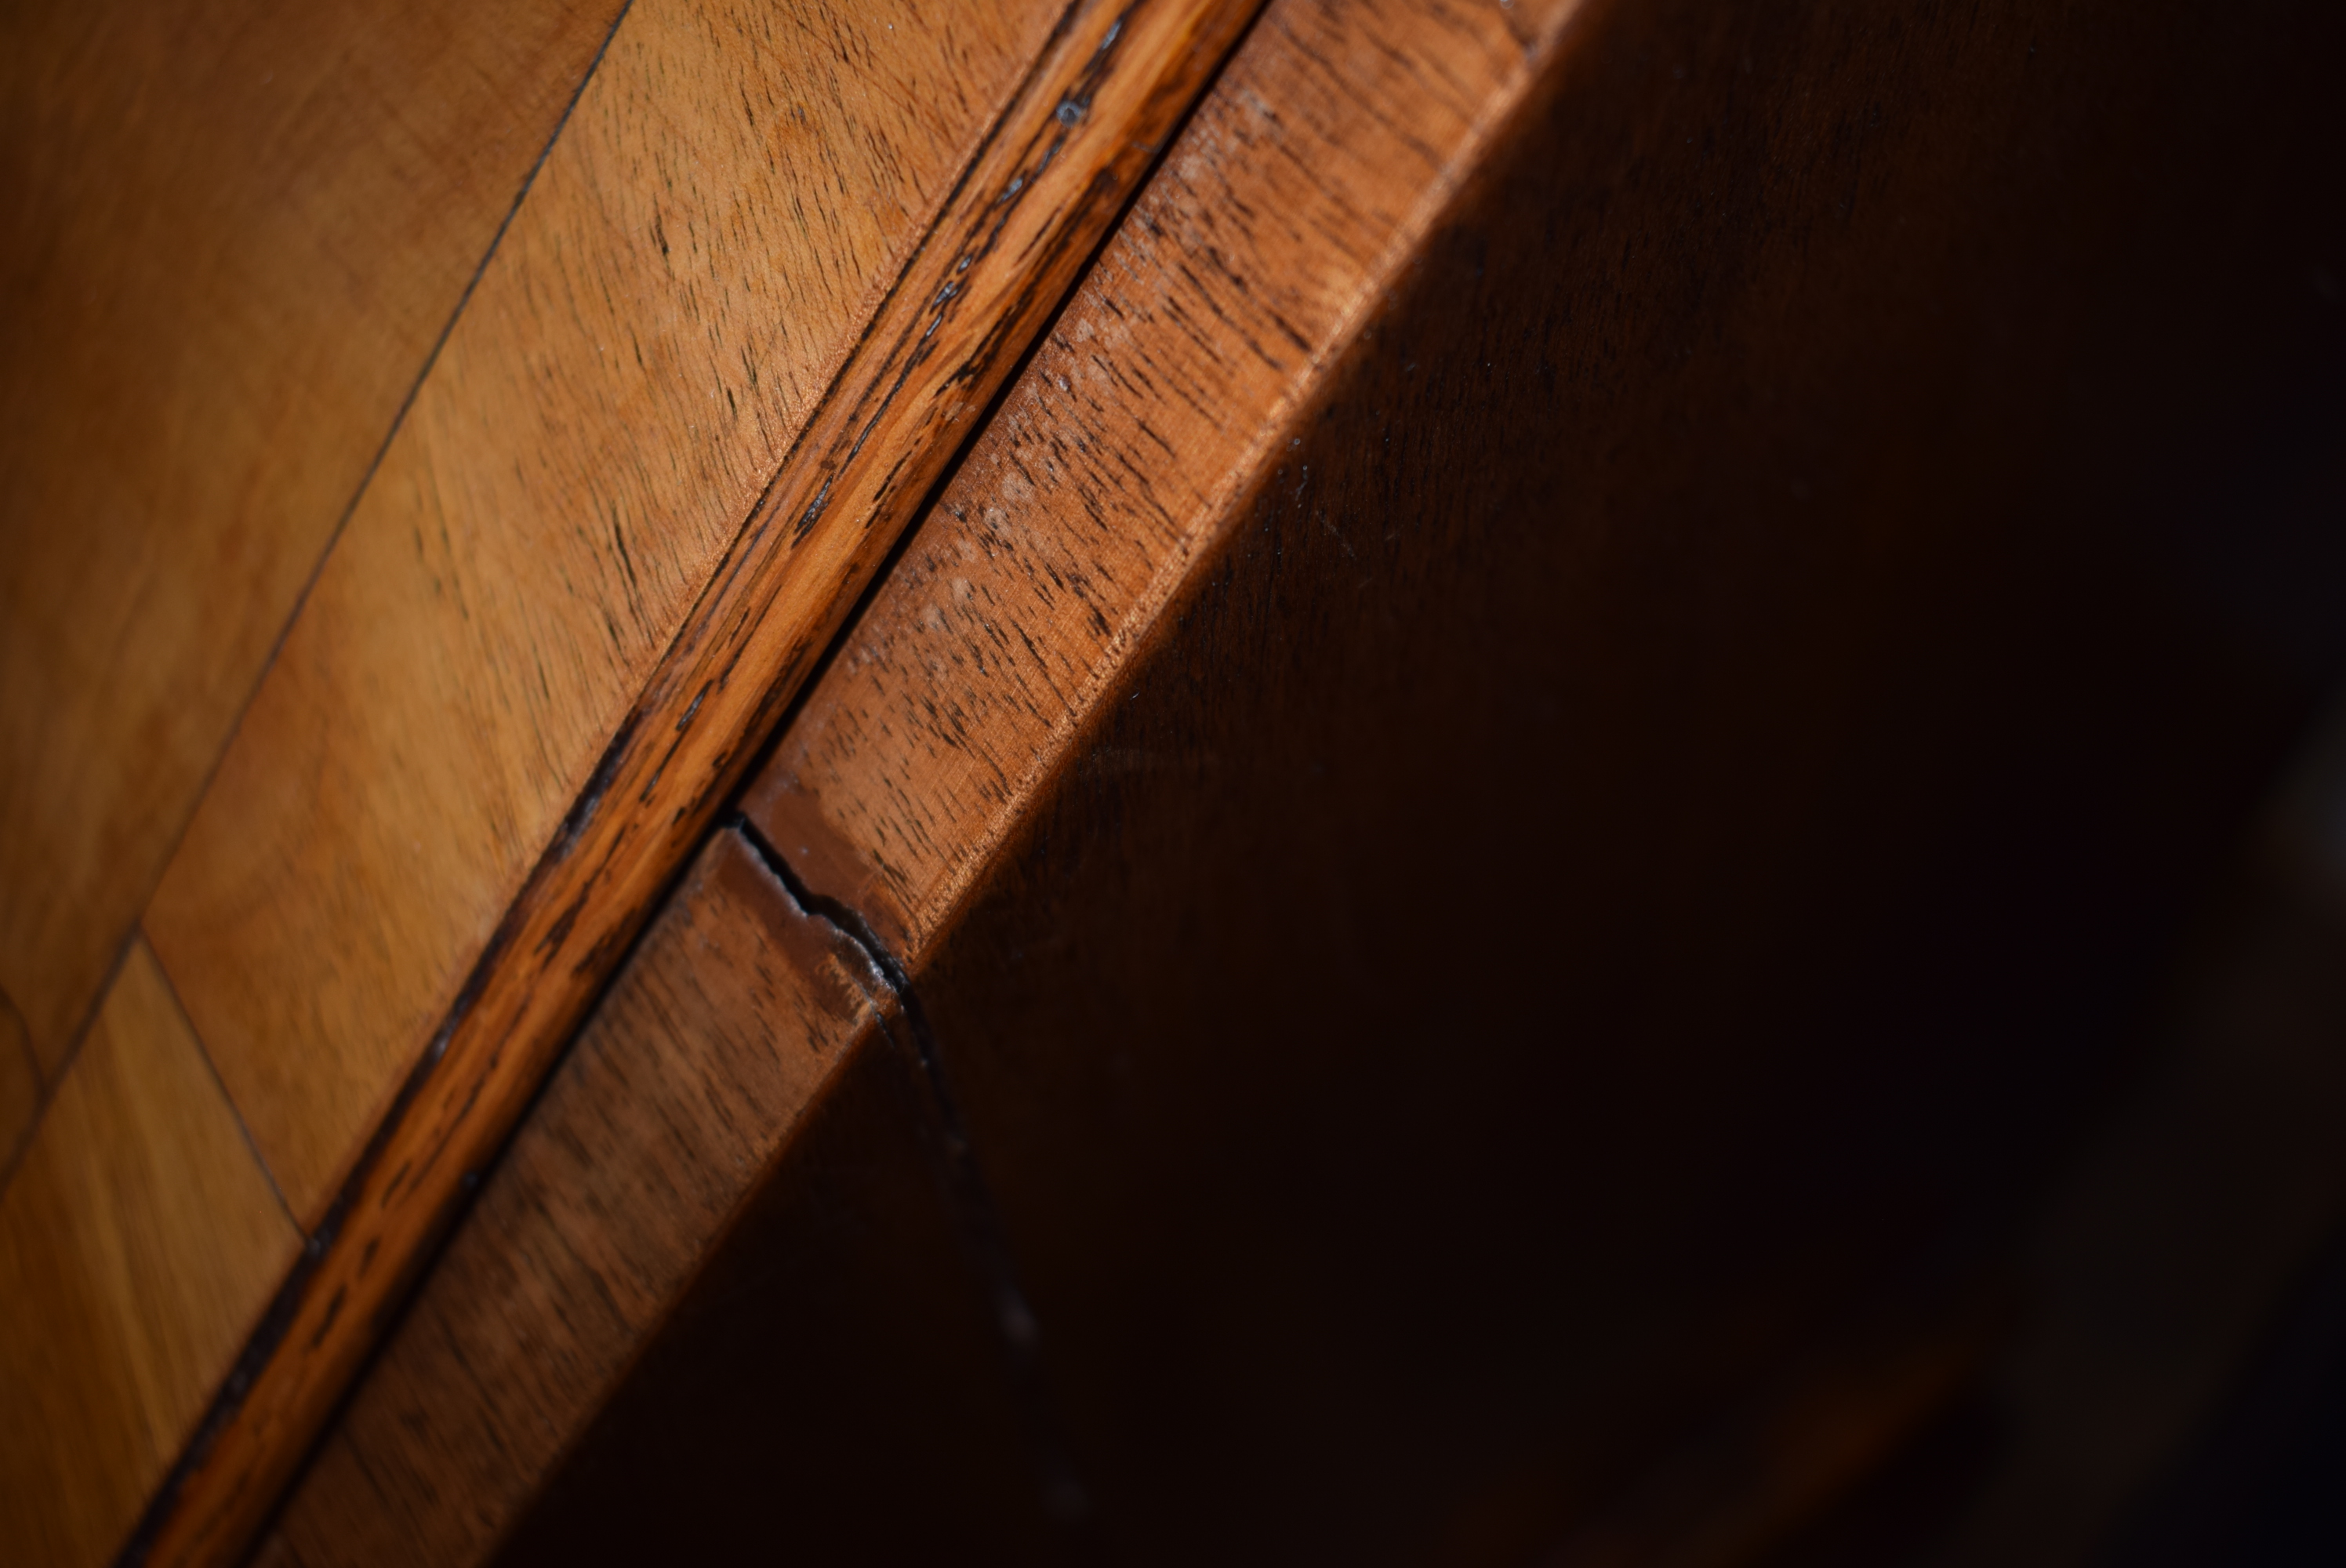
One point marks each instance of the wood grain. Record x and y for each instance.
(704, 1056)
(1413, 996)
(732, 1084)
(733, 196)
(233, 230)
(20, 1084)
(1155, 406)
(848, 1365)
(1645, 754)
(140, 1242)
(417, 795)
(1335, 75)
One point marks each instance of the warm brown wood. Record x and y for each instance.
(661, 320)
(1397, 770)
(230, 232)
(679, 1117)
(1159, 401)
(140, 1242)
(674, 1102)
(580, 586)
(1316, 121)
(20, 1085)
(1596, 869)
(1402, 834)
(899, 1438)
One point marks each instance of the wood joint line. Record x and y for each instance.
(976, 1218)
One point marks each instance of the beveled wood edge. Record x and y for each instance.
(1044, 189)
(842, 876)
(722, 854)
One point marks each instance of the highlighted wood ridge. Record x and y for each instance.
(1082, 130)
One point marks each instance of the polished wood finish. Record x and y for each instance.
(747, 1076)
(1348, 155)
(1161, 399)
(139, 1241)
(1521, 615)
(1588, 880)
(1420, 762)
(707, 1055)
(234, 230)
(650, 471)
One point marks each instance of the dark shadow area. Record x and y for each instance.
(2261, 1485)
(2174, 1390)
(833, 1389)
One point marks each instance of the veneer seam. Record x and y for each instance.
(977, 1216)
(171, 989)
(50, 1080)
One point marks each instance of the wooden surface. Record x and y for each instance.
(661, 320)
(1422, 763)
(850, 1364)
(649, 473)
(1347, 221)
(1158, 401)
(708, 1051)
(1637, 830)
(1291, 1042)
(678, 1116)
(20, 1084)
(139, 1241)
(230, 233)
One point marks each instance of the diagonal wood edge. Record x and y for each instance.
(388, 1463)
(922, 751)
(1067, 155)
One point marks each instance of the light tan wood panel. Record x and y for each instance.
(733, 195)
(716, 1040)
(230, 231)
(140, 1242)
(1159, 398)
